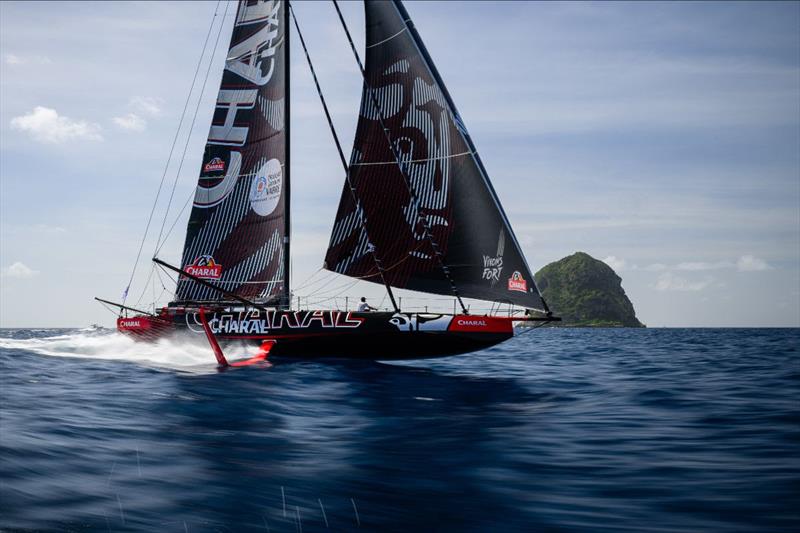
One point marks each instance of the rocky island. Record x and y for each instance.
(584, 291)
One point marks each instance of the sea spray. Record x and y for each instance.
(178, 353)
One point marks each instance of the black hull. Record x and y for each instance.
(386, 347)
(335, 334)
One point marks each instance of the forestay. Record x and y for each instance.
(442, 178)
(238, 222)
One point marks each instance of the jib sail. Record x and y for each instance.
(239, 222)
(447, 180)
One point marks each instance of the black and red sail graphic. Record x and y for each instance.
(237, 225)
(448, 184)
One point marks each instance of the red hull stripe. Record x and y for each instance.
(481, 324)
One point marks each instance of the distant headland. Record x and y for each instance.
(586, 292)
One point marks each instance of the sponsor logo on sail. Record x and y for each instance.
(204, 267)
(492, 267)
(215, 165)
(517, 283)
(265, 191)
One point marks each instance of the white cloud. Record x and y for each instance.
(142, 106)
(11, 59)
(700, 265)
(147, 105)
(45, 125)
(14, 60)
(616, 263)
(47, 228)
(131, 122)
(17, 229)
(18, 270)
(749, 263)
(746, 263)
(670, 282)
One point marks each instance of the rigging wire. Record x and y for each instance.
(171, 150)
(144, 287)
(359, 210)
(307, 282)
(177, 218)
(356, 278)
(159, 244)
(400, 163)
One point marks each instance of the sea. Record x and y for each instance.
(574, 430)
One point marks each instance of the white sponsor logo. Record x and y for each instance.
(492, 267)
(257, 323)
(265, 191)
(462, 322)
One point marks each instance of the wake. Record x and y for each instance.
(110, 345)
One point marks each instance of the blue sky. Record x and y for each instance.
(663, 138)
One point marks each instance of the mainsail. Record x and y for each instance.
(442, 182)
(238, 228)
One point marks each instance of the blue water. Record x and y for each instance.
(556, 430)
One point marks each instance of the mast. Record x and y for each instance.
(286, 300)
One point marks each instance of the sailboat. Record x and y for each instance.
(417, 209)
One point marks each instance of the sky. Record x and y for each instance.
(662, 138)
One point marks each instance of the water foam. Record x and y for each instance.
(110, 345)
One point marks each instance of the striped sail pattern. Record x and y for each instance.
(442, 182)
(237, 225)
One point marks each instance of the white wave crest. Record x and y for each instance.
(169, 353)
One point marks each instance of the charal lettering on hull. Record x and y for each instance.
(255, 322)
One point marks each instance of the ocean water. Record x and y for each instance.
(556, 430)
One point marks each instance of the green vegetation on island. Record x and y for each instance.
(586, 292)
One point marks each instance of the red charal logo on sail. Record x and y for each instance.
(215, 165)
(204, 267)
(517, 283)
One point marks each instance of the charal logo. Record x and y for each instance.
(215, 165)
(204, 267)
(517, 283)
(472, 323)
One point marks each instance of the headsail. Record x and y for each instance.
(239, 222)
(450, 185)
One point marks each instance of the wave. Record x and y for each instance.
(93, 343)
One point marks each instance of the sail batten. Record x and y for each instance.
(432, 212)
(238, 227)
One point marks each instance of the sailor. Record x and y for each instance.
(363, 307)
